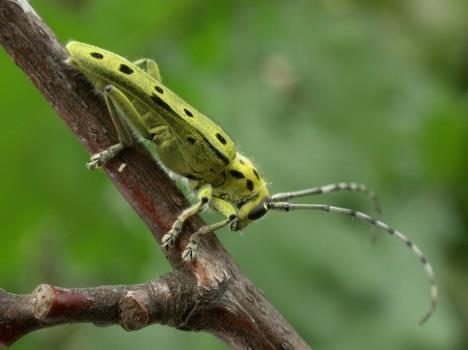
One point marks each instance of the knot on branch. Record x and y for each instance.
(43, 297)
(209, 295)
(134, 313)
(204, 299)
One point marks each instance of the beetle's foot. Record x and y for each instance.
(169, 238)
(99, 159)
(190, 252)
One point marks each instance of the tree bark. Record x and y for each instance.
(211, 294)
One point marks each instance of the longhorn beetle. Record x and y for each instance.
(193, 146)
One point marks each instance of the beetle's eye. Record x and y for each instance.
(259, 210)
(257, 213)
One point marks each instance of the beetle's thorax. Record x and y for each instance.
(242, 181)
(243, 187)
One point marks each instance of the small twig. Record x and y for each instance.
(166, 301)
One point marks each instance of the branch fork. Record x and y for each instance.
(210, 294)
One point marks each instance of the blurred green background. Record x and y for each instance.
(315, 92)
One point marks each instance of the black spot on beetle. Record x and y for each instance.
(240, 204)
(188, 112)
(159, 89)
(236, 174)
(97, 55)
(216, 151)
(244, 201)
(221, 138)
(191, 177)
(250, 185)
(256, 174)
(159, 102)
(191, 140)
(125, 69)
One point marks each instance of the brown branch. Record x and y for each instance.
(221, 300)
(167, 300)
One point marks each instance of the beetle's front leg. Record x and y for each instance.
(121, 111)
(204, 196)
(224, 208)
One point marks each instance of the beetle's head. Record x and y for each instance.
(251, 209)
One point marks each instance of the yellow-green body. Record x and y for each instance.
(188, 143)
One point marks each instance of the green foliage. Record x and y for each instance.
(315, 92)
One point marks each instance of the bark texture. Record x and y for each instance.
(210, 294)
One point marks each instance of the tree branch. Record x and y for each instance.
(217, 297)
(167, 300)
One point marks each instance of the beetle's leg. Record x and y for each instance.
(204, 196)
(150, 66)
(224, 208)
(122, 112)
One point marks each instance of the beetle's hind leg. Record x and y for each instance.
(122, 112)
(149, 66)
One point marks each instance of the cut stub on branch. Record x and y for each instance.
(133, 307)
(134, 312)
(52, 303)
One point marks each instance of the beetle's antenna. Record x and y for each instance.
(285, 206)
(334, 187)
